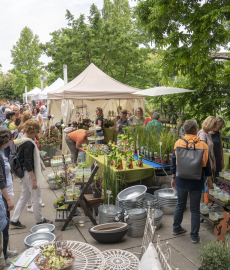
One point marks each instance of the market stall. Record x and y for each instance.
(30, 94)
(42, 95)
(92, 88)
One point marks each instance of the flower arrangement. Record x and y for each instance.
(225, 187)
(52, 142)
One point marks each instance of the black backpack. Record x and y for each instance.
(15, 165)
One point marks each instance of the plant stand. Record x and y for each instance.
(67, 215)
(224, 205)
(205, 218)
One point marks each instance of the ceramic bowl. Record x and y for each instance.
(108, 237)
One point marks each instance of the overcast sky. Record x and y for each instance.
(41, 16)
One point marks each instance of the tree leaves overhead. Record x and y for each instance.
(25, 58)
(110, 39)
(187, 35)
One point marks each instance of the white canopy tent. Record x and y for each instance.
(93, 84)
(43, 94)
(35, 96)
(94, 88)
(162, 90)
(33, 92)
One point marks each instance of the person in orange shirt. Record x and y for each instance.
(191, 186)
(74, 141)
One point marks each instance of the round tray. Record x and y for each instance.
(85, 254)
(42, 268)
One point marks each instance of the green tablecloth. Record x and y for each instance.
(226, 161)
(130, 175)
(109, 134)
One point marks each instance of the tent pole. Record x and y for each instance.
(161, 104)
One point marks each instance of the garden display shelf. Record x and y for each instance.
(218, 201)
(66, 215)
(206, 218)
(222, 180)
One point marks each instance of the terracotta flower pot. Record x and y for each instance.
(163, 162)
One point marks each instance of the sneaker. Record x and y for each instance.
(43, 205)
(196, 241)
(17, 225)
(30, 209)
(7, 262)
(182, 230)
(45, 221)
(11, 253)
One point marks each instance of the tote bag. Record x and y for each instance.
(189, 162)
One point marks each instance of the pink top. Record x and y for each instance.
(207, 138)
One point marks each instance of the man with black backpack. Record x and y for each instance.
(9, 123)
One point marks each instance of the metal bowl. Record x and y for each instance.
(109, 209)
(36, 239)
(168, 210)
(133, 194)
(53, 184)
(43, 228)
(150, 198)
(136, 211)
(166, 193)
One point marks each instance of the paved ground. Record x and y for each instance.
(184, 253)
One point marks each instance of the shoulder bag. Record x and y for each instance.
(189, 162)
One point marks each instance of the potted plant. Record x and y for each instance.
(97, 186)
(119, 165)
(139, 162)
(214, 256)
(49, 143)
(130, 162)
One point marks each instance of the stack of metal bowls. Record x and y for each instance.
(109, 213)
(157, 213)
(167, 200)
(136, 219)
(132, 197)
(150, 201)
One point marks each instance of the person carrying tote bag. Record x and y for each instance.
(190, 162)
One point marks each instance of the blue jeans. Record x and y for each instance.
(99, 133)
(195, 197)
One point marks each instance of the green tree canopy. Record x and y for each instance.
(110, 39)
(25, 58)
(6, 86)
(187, 34)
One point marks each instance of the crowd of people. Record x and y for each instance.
(20, 126)
(18, 134)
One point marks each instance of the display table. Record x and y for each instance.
(226, 161)
(130, 175)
